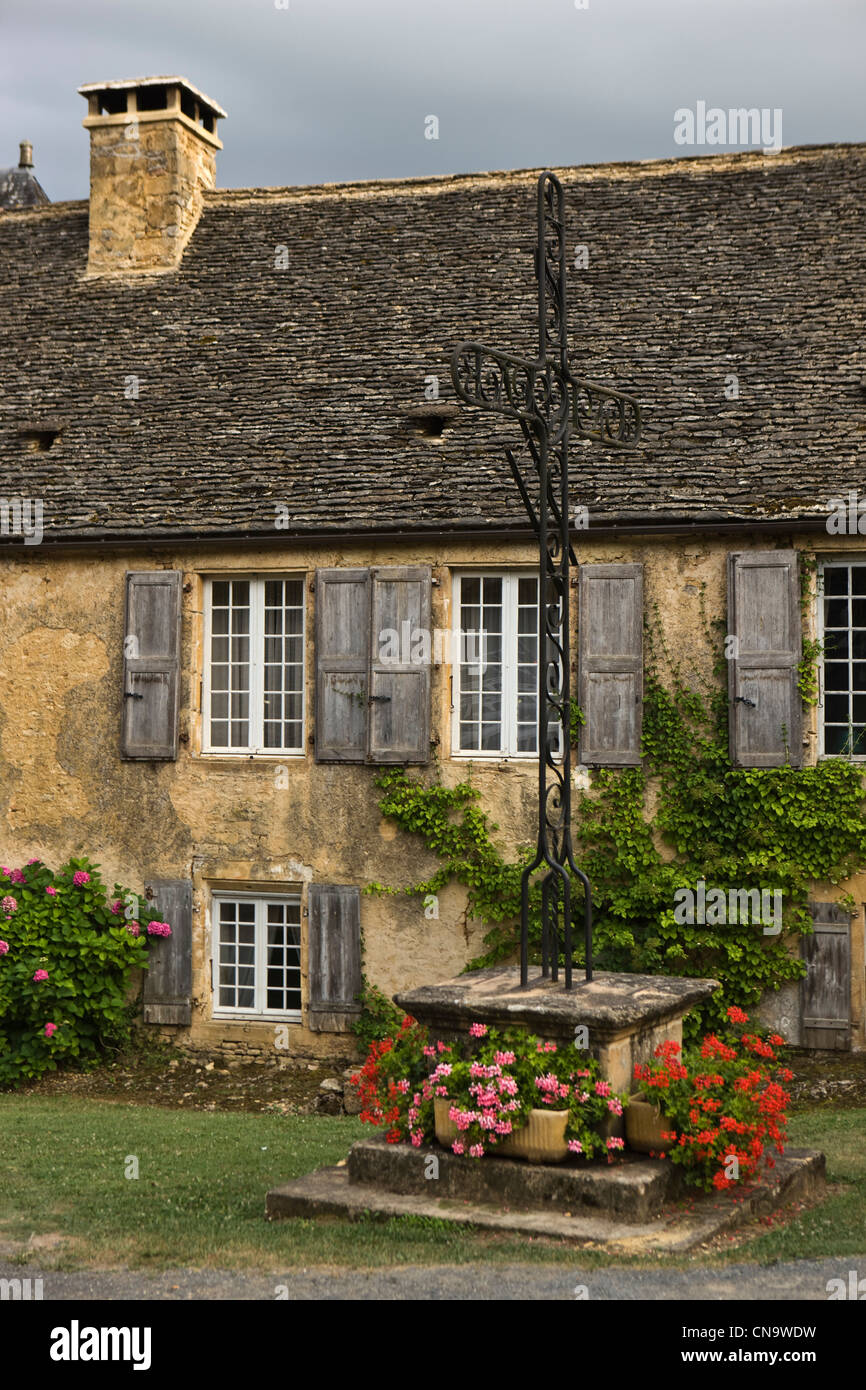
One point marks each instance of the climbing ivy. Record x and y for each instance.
(734, 828)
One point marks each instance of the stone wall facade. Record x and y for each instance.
(273, 821)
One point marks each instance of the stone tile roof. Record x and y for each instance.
(259, 386)
(20, 189)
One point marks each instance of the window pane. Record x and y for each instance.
(858, 579)
(836, 612)
(836, 580)
(836, 675)
(836, 645)
(527, 592)
(836, 709)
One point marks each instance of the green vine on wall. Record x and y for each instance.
(734, 828)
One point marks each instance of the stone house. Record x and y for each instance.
(231, 459)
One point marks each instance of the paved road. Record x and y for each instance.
(800, 1279)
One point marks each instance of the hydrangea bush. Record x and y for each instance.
(67, 950)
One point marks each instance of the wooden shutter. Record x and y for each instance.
(825, 993)
(764, 617)
(342, 661)
(610, 678)
(334, 956)
(151, 664)
(168, 981)
(399, 700)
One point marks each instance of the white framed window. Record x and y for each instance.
(253, 688)
(256, 954)
(496, 676)
(842, 632)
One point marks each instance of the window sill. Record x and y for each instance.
(224, 1016)
(296, 755)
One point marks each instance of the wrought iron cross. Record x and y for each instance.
(549, 404)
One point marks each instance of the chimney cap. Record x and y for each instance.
(25, 160)
(201, 98)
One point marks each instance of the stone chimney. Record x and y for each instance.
(153, 145)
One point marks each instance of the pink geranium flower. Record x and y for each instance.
(40, 975)
(79, 878)
(478, 1030)
(50, 1029)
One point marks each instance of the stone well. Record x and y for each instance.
(626, 1016)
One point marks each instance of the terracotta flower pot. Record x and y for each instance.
(644, 1124)
(540, 1140)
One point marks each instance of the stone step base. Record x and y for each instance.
(681, 1226)
(635, 1189)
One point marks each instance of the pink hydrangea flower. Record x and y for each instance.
(158, 929)
(4, 872)
(4, 947)
(79, 878)
(133, 928)
(478, 1030)
(16, 875)
(40, 975)
(51, 891)
(34, 861)
(9, 905)
(116, 906)
(50, 1029)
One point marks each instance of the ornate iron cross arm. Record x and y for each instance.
(550, 404)
(532, 392)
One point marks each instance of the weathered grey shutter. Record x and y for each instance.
(825, 993)
(764, 618)
(334, 956)
(168, 981)
(400, 656)
(610, 672)
(342, 662)
(151, 664)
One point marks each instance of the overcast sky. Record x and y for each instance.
(341, 89)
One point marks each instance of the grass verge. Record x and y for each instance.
(198, 1199)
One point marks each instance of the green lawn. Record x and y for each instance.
(199, 1197)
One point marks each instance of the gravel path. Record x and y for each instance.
(799, 1279)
